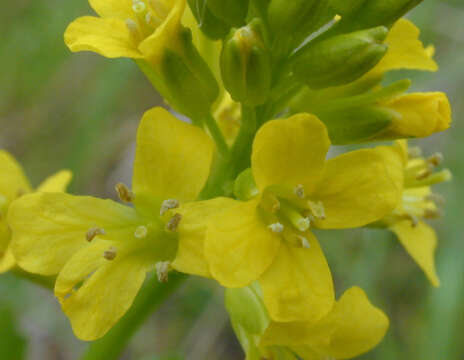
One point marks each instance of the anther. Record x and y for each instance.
(299, 191)
(110, 254)
(139, 7)
(303, 224)
(141, 232)
(162, 270)
(304, 242)
(276, 227)
(414, 220)
(93, 232)
(124, 193)
(432, 214)
(436, 159)
(317, 209)
(174, 222)
(424, 174)
(168, 205)
(440, 200)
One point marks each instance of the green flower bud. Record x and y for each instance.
(363, 14)
(245, 186)
(184, 79)
(233, 12)
(209, 24)
(341, 59)
(246, 65)
(292, 21)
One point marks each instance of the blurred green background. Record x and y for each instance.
(59, 110)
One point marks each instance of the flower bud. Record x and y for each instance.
(341, 59)
(246, 65)
(184, 79)
(346, 7)
(209, 24)
(232, 12)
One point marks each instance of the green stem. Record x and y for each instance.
(216, 134)
(149, 299)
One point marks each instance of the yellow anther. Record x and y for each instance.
(110, 254)
(440, 200)
(303, 224)
(168, 205)
(424, 174)
(174, 222)
(162, 270)
(141, 232)
(124, 193)
(276, 227)
(317, 209)
(93, 232)
(436, 159)
(300, 191)
(139, 7)
(432, 214)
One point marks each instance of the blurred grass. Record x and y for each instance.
(81, 111)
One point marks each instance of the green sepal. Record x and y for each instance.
(212, 26)
(232, 12)
(184, 79)
(340, 60)
(245, 186)
(246, 65)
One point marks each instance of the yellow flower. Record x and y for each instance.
(269, 238)
(14, 184)
(128, 28)
(102, 250)
(352, 327)
(414, 176)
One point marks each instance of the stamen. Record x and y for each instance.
(139, 7)
(174, 222)
(110, 254)
(168, 205)
(432, 214)
(162, 270)
(317, 209)
(414, 219)
(124, 193)
(93, 232)
(300, 191)
(424, 174)
(304, 242)
(440, 200)
(276, 227)
(436, 159)
(301, 223)
(432, 179)
(141, 232)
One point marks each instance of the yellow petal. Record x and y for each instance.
(420, 114)
(405, 50)
(48, 228)
(172, 159)
(239, 247)
(57, 182)
(353, 327)
(119, 9)
(420, 242)
(108, 37)
(165, 35)
(395, 159)
(13, 182)
(290, 152)
(7, 260)
(190, 256)
(298, 285)
(357, 325)
(356, 190)
(107, 292)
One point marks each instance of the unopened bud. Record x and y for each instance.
(246, 65)
(341, 59)
(210, 24)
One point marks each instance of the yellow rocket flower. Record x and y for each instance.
(269, 238)
(353, 327)
(14, 184)
(414, 176)
(102, 250)
(128, 28)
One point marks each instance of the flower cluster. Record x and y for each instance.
(234, 194)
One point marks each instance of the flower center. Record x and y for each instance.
(290, 213)
(148, 16)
